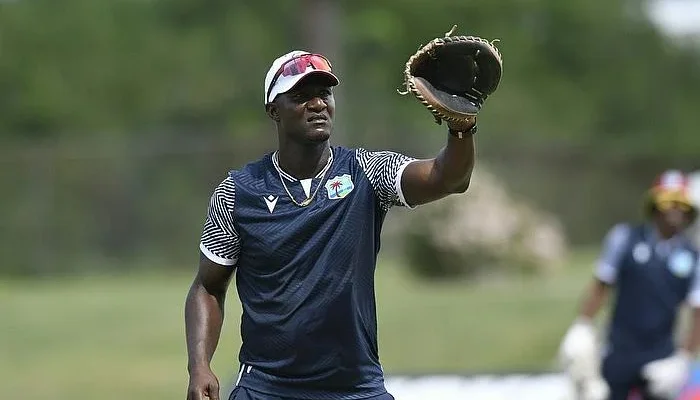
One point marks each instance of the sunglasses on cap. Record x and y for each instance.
(298, 66)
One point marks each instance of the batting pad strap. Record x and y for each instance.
(216, 259)
(399, 188)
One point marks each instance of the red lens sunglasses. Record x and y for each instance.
(299, 64)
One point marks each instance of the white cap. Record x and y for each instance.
(286, 83)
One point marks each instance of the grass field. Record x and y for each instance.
(123, 337)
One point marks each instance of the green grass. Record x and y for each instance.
(123, 337)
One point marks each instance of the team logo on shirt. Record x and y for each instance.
(271, 201)
(339, 187)
(641, 253)
(681, 263)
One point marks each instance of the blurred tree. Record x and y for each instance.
(155, 97)
(84, 66)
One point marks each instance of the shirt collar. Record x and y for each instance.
(654, 236)
(289, 177)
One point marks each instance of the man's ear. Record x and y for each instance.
(272, 112)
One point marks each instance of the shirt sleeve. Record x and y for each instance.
(384, 170)
(220, 242)
(614, 246)
(694, 293)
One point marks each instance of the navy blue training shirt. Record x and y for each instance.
(305, 275)
(653, 278)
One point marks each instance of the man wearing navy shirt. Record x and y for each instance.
(653, 267)
(301, 229)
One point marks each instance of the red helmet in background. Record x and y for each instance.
(671, 188)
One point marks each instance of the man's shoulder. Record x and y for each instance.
(627, 227)
(253, 169)
(340, 152)
(236, 180)
(359, 151)
(621, 233)
(631, 232)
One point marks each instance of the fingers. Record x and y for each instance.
(194, 394)
(213, 391)
(203, 385)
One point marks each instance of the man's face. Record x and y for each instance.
(674, 215)
(305, 113)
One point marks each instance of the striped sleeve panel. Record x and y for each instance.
(384, 170)
(220, 241)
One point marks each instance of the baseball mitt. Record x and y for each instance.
(452, 76)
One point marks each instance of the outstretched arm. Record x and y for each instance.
(424, 181)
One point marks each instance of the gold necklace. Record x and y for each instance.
(313, 195)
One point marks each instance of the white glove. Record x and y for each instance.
(578, 352)
(667, 376)
(594, 389)
(579, 356)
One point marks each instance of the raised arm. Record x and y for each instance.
(400, 180)
(449, 172)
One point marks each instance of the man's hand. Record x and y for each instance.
(594, 389)
(578, 352)
(203, 385)
(452, 76)
(667, 376)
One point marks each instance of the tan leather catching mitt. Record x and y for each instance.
(453, 75)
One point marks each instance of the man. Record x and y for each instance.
(653, 267)
(301, 228)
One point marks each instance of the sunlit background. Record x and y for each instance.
(118, 118)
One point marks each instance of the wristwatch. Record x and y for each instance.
(460, 134)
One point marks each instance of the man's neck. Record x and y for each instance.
(664, 232)
(303, 161)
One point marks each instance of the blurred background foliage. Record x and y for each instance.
(117, 118)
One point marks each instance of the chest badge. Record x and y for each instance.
(681, 263)
(641, 253)
(339, 187)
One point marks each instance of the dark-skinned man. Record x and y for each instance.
(653, 269)
(300, 228)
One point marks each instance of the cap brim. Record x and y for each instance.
(285, 84)
(332, 79)
(656, 196)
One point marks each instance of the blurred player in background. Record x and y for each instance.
(694, 188)
(653, 268)
(301, 229)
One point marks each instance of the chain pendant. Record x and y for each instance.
(313, 195)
